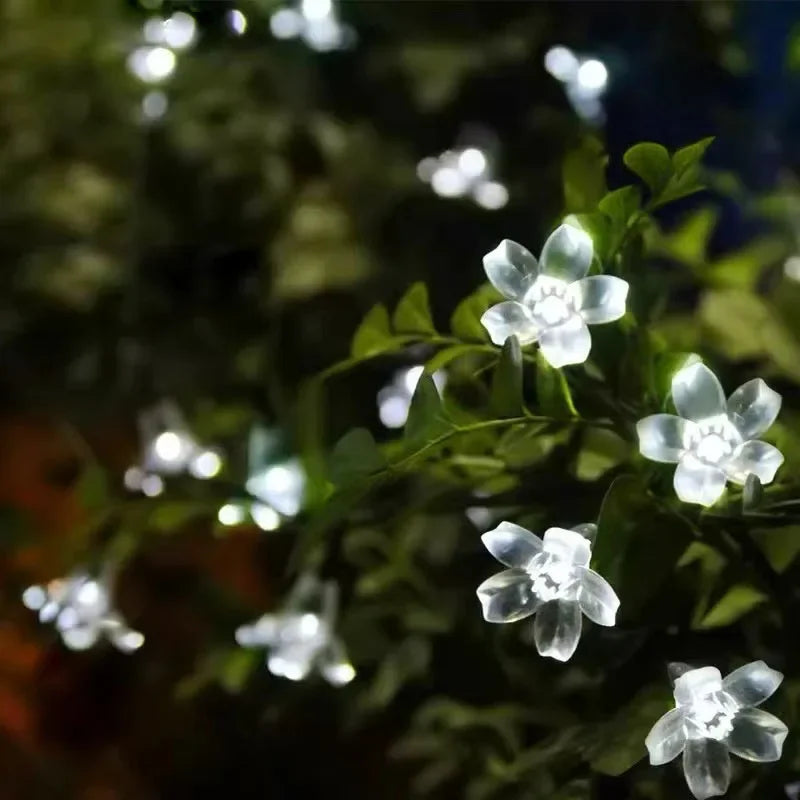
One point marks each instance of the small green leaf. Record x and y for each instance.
(506, 397)
(355, 456)
(584, 176)
(780, 546)
(690, 156)
(426, 416)
(719, 308)
(373, 334)
(552, 391)
(466, 319)
(413, 313)
(752, 494)
(93, 487)
(599, 228)
(733, 605)
(621, 204)
(600, 451)
(448, 354)
(651, 162)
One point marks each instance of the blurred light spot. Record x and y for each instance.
(231, 514)
(205, 465)
(34, 597)
(130, 641)
(791, 268)
(89, 594)
(168, 446)
(152, 486)
(68, 618)
(154, 105)
(309, 624)
(491, 195)
(180, 30)
(133, 479)
(266, 517)
(411, 378)
(592, 75)
(152, 64)
(79, 638)
(286, 23)
(316, 9)
(324, 34)
(561, 63)
(426, 168)
(244, 636)
(340, 674)
(154, 30)
(472, 162)
(449, 182)
(393, 411)
(237, 21)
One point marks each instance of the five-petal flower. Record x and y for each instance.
(712, 441)
(551, 301)
(714, 717)
(551, 578)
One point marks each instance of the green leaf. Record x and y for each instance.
(506, 396)
(651, 162)
(725, 313)
(93, 487)
(413, 313)
(620, 205)
(355, 456)
(448, 354)
(601, 450)
(688, 242)
(426, 416)
(14, 528)
(733, 605)
(373, 335)
(752, 493)
(690, 156)
(584, 176)
(466, 319)
(780, 546)
(552, 391)
(599, 228)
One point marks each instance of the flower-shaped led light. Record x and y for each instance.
(714, 717)
(551, 301)
(585, 81)
(712, 441)
(81, 608)
(548, 577)
(299, 640)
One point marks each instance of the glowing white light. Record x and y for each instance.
(791, 268)
(324, 34)
(231, 514)
(152, 64)
(133, 479)
(168, 446)
(472, 162)
(154, 30)
(237, 21)
(309, 624)
(411, 378)
(152, 486)
(449, 182)
(79, 638)
(286, 23)
(282, 667)
(340, 674)
(266, 517)
(130, 641)
(316, 9)
(426, 168)
(393, 411)
(592, 75)
(49, 611)
(67, 618)
(34, 597)
(89, 594)
(491, 195)
(154, 105)
(561, 63)
(206, 465)
(280, 486)
(179, 30)
(244, 636)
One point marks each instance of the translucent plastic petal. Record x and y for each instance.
(557, 629)
(511, 268)
(707, 767)
(752, 684)
(81, 637)
(334, 665)
(753, 407)
(596, 598)
(599, 298)
(512, 545)
(661, 437)
(699, 483)
(510, 319)
(568, 343)
(567, 253)
(758, 458)
(666, 738)
(506, 596)
(697, 393)
(694, 684)
(757, 735)
(571, 546)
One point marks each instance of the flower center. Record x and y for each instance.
(713, 440)
(711, 717)
(548, 301)
(551, 578)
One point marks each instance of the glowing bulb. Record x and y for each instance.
(265, 517)
(791, 268)
(79, 638)
(152, 64)
(130, 641)
(168, 446)
(592, 75)
(68, 618)
(472, 162)
(244, 636)
(179, 30)
(286, 23)
(561, 63)
(340, 674)
(237, 21)
(393, 410)
(206, 465)
(449, 182)
(154, 105)
(154, 30)
(133, 479)
(152, 486)
(411, 378)
(231, 514)
(316, 9)
(34, 597)
(309, 624)
(491, 195)
(426, 168)
(89, 593)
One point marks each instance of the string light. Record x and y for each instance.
(316, 22)
(585, 81)
(237, 21)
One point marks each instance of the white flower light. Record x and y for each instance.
(281, 486)
(592, 75)
(552, 301)
(300, 641)
(266, 517)
(714, 717)
(179, 30)
(152, 486)
(491, 195)
(550, 578)
(205, 465)
(712, 441)
(449, 181)
(81, 608)
(561, 63)
(237, 21)
(585, 81)
(316, 9)
(472, 162)
(152, 64)
(286, 23)
(231, 514)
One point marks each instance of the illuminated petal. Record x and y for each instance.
(596, 597)
(661, 437)
(81, 637)
(568, 343)
(510, 319)
(506, 596)
(757, 735)
(753, 407)
(599, 298)
(567, 254)
(707, 767)
(696, 482)
(666, 738)
(570, 546)
(334, 665)
(752, 684)
(758, 458)
(557, 629)
(511, 269)
(697, 393)
(512, 545)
